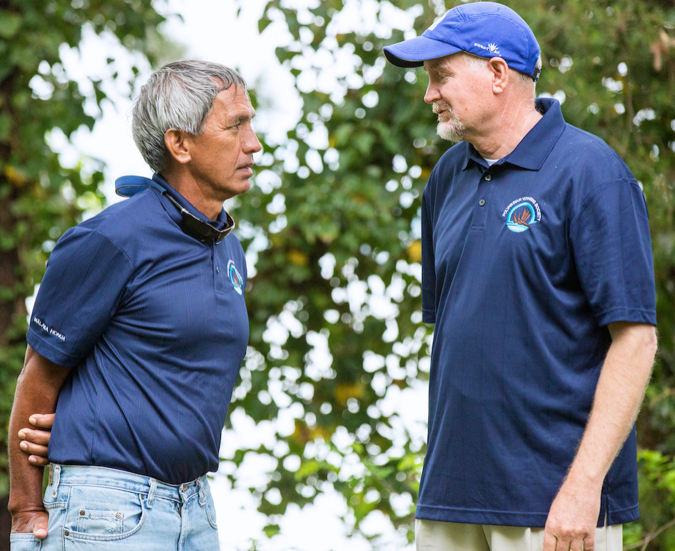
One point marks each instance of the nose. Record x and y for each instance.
(432, 94)
(251, 142)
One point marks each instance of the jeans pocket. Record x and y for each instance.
(23, 542)
(210, 508)
(98, 513)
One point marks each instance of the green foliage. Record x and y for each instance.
(40, 199)
(343, 214)
(657, 503)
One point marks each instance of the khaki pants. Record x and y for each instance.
(431, 535)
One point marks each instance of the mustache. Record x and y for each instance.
(441, 106)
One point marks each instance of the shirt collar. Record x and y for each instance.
(220, 223)
(536, 146)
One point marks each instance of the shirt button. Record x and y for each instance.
(217, 270)
(488, 177)
(481, 202)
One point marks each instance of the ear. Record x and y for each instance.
(500, 74)
(178, 144)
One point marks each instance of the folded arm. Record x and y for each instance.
(37, 391)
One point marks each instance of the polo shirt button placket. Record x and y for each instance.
(479, 216)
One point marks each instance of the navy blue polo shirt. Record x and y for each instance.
(154, 325)
(524, 264)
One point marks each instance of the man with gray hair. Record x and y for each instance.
(537, 273)
(138, 332)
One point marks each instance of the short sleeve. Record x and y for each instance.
(85, 278)
(428, 264)
(613, 255)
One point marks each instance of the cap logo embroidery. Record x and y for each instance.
(235, 277)
(491, 47)
(521, 214)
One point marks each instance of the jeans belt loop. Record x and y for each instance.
(55, 476)
(151, 493)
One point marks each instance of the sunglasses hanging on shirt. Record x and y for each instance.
(200, 230)
(127, 186)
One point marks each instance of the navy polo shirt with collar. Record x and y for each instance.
(524, 264)
(154, 325)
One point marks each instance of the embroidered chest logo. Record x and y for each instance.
(521, 214)
(235, 277)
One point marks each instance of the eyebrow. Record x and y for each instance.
(439, 71)
(242, 118)
(435, 66)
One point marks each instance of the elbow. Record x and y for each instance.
(651, 344)
(23, 376)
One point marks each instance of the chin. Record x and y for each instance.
(244, 187)
(239, 189)
(451, 131)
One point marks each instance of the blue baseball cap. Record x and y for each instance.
(484, 29)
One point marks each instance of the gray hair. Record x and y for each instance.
(478, 62)
(177, 96)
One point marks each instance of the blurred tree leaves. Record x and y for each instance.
(336, 330)
(40, 199)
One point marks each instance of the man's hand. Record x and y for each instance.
(573, 517)
(35, 441)
(34, 522)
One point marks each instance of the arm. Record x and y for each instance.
(37, 390)
(625, 373)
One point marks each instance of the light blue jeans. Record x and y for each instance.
(101, 509)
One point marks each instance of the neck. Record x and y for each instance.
(198, 196)
(506, 130)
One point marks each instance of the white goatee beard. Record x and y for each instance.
(451, 129)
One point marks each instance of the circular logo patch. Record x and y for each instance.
(521, 214)
(235, 277)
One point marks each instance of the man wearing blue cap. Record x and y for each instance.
(537, 272)
(138, 333)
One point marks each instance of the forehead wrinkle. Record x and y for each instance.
(435, 64)
(441, 63)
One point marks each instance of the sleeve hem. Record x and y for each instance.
(428, 316)
(632, 315)
(47, 351)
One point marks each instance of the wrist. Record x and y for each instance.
(585, 478)
(18, 510)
